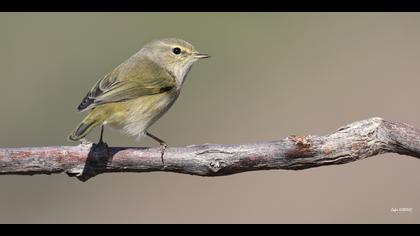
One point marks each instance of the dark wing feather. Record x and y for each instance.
(85, 103)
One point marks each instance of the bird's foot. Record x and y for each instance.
(100, 152)
(163, 147)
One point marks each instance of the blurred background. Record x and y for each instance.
(271, 75)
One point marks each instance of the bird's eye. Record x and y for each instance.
(176, 51)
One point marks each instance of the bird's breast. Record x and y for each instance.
(137, 115)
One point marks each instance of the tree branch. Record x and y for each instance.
(353, 142)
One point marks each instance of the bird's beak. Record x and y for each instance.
(201, 55)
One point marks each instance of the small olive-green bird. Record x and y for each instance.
(140, 90)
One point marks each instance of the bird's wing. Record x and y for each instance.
(129, 82)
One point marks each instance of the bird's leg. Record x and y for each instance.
(102, 135)
(100, 150)
(162, 143)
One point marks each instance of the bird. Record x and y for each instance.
(134, 95)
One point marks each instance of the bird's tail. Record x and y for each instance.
(90, 122)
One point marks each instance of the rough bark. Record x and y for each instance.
(349, 143)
